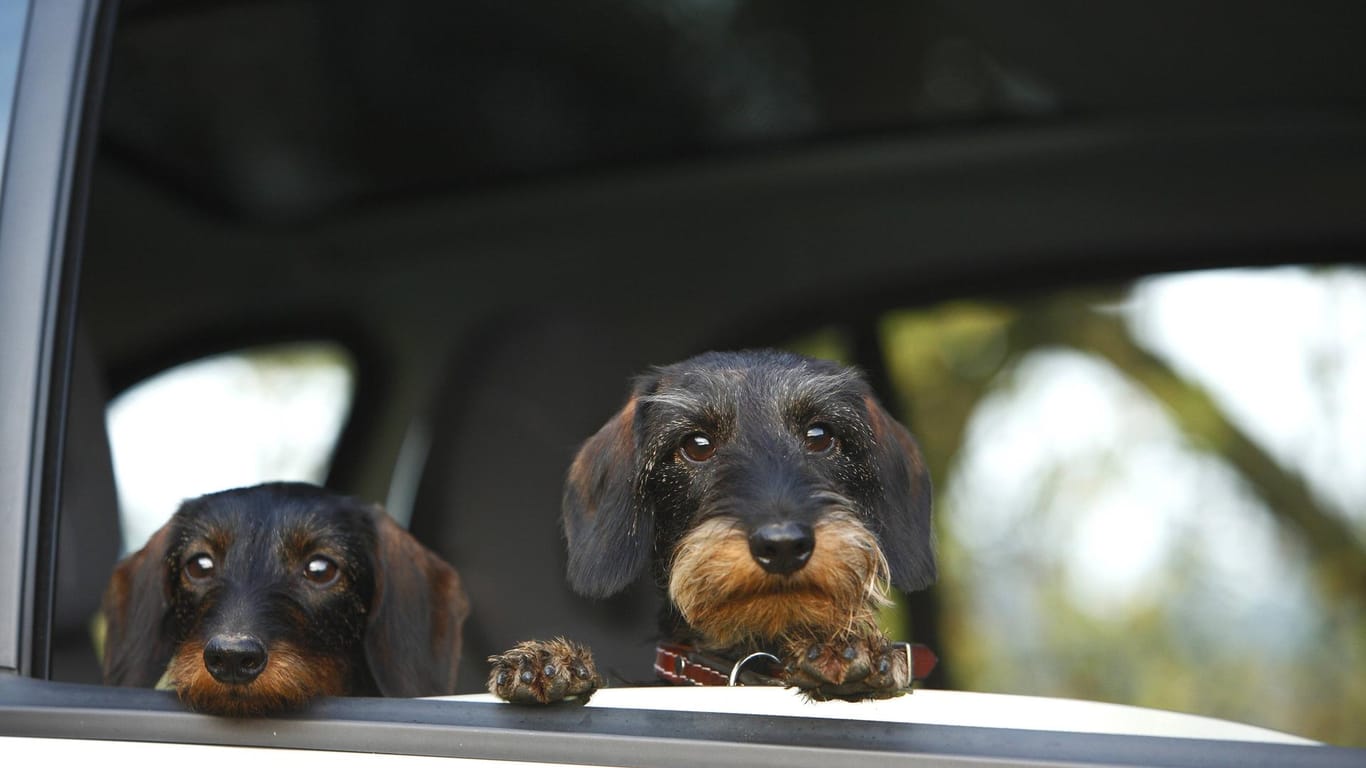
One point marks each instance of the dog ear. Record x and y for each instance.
(610, 533)
(136, 616)
(413, 635)
(903, 510)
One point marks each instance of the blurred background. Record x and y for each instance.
(1104, 260)
(1152, 494)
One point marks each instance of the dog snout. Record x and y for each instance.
(782, 548)
(234, 659)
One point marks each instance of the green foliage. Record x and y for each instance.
(1195, 634)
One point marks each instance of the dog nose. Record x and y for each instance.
(781, 548)
(234, 659)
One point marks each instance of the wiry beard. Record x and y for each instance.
(291, 678)
(726, 597)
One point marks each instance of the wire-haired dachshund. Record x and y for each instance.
(774, 499)
(255, 600)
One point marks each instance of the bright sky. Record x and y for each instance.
(1284, 352)
(225, 422)
(1072, 466)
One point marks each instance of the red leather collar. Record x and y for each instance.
(685, 665)
(675, 664)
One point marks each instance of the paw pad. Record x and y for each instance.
(864, 666)
(544, 672)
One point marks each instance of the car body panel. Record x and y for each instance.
(934, 707)
(678, 730)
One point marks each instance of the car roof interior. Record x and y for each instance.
(506, 208)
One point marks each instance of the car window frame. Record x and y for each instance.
(51, 149)
(17, 381)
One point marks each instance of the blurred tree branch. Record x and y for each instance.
(944, 364)
(1076, 324)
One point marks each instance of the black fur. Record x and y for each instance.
(392, 615)
(772, 497)
(631, 495)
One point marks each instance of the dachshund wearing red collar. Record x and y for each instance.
(773, 500)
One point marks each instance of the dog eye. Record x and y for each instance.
(199, 566)
(819, 438)
(321, 571)
(698, 447)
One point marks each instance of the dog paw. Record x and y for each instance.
(851, 667)
(544, 672)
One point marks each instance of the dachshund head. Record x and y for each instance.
(768, 489)
(256, 600)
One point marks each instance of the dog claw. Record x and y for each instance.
(539, 672)
(868, 666)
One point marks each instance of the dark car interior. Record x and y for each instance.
(504, 209)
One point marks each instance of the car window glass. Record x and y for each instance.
(13, 14)
(1151, 494)
(267, 413)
